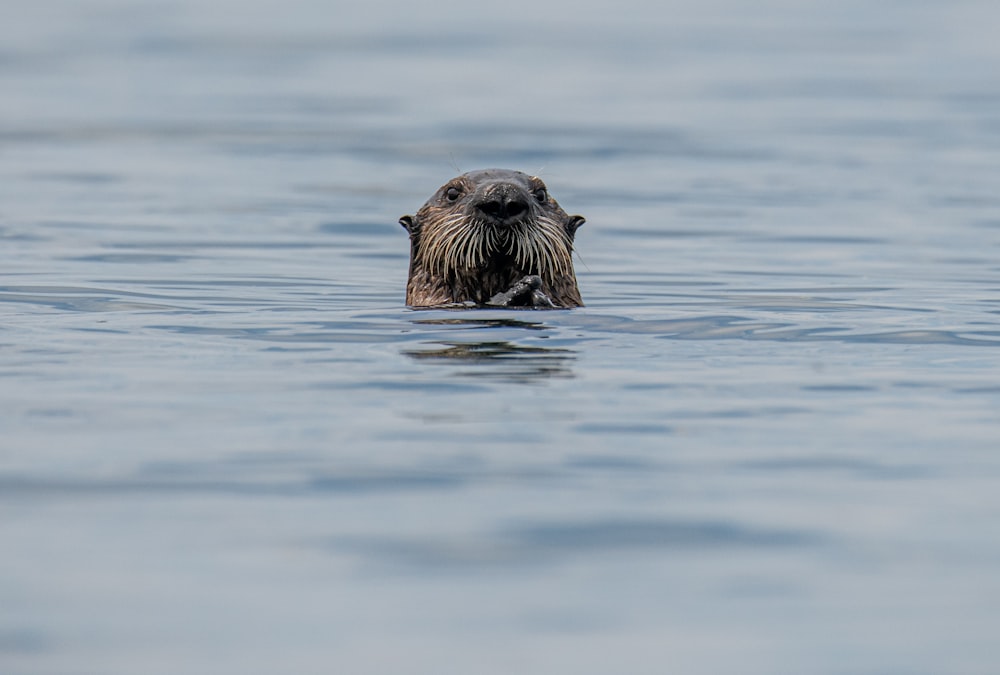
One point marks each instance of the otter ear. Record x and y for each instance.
(574, 223)
(410, 223)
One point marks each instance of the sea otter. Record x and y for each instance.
(492, 238)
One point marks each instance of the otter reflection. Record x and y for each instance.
(501, 360)
(483, 323)
(492, 346)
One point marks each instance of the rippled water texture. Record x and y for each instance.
(769, 443)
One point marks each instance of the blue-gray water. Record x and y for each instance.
(769, 443)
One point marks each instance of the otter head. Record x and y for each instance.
(484, 231)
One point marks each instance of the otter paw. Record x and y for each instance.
(524, 293)
(539, 299)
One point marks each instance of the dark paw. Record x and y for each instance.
(525, 293)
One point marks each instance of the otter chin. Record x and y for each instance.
(492, 238)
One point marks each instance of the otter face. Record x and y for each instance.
(482, 232)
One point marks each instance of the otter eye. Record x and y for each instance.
(452, 193)
(541, 195)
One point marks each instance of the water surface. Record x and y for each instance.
(768, 443)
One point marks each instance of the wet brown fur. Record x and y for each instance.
(462, 254)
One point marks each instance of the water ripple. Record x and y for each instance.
(554, 542)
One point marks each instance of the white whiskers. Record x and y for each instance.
(458, 244)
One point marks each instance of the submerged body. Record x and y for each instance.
(492, 238)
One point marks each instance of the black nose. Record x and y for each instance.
(503, 202)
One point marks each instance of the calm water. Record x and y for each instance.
(769, 444)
